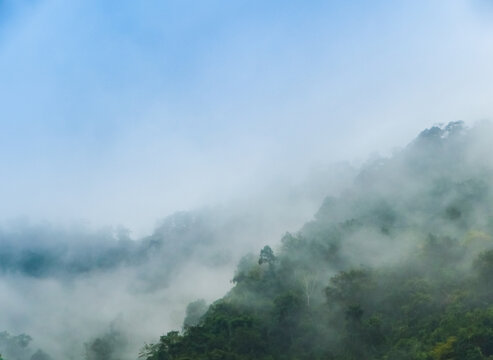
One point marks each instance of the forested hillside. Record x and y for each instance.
(399, 266)
(119, 289)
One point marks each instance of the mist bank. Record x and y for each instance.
(76, 290)
(102, 294)
(398, 266)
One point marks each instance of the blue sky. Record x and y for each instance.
(122, 112)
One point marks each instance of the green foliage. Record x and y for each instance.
(400, 267)
(266, 256)
(110, 346)
(15, 347)
(195, 310)
(40, 355)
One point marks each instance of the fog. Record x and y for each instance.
(146, 148)
(66, 286)
(124, 116)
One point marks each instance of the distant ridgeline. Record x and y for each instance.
(16, 347)
(45, 251)
(399, 266)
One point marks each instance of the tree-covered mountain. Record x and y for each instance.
(84, 285)
(399, 266)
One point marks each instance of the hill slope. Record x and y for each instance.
(400, 266)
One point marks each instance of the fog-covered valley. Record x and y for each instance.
(397, 266)
(87, 294)
(67, 286)
(246, 180)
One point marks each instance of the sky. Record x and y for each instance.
(124, 112)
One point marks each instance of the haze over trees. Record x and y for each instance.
(397, 267)
(78, 284)
(268, 180)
